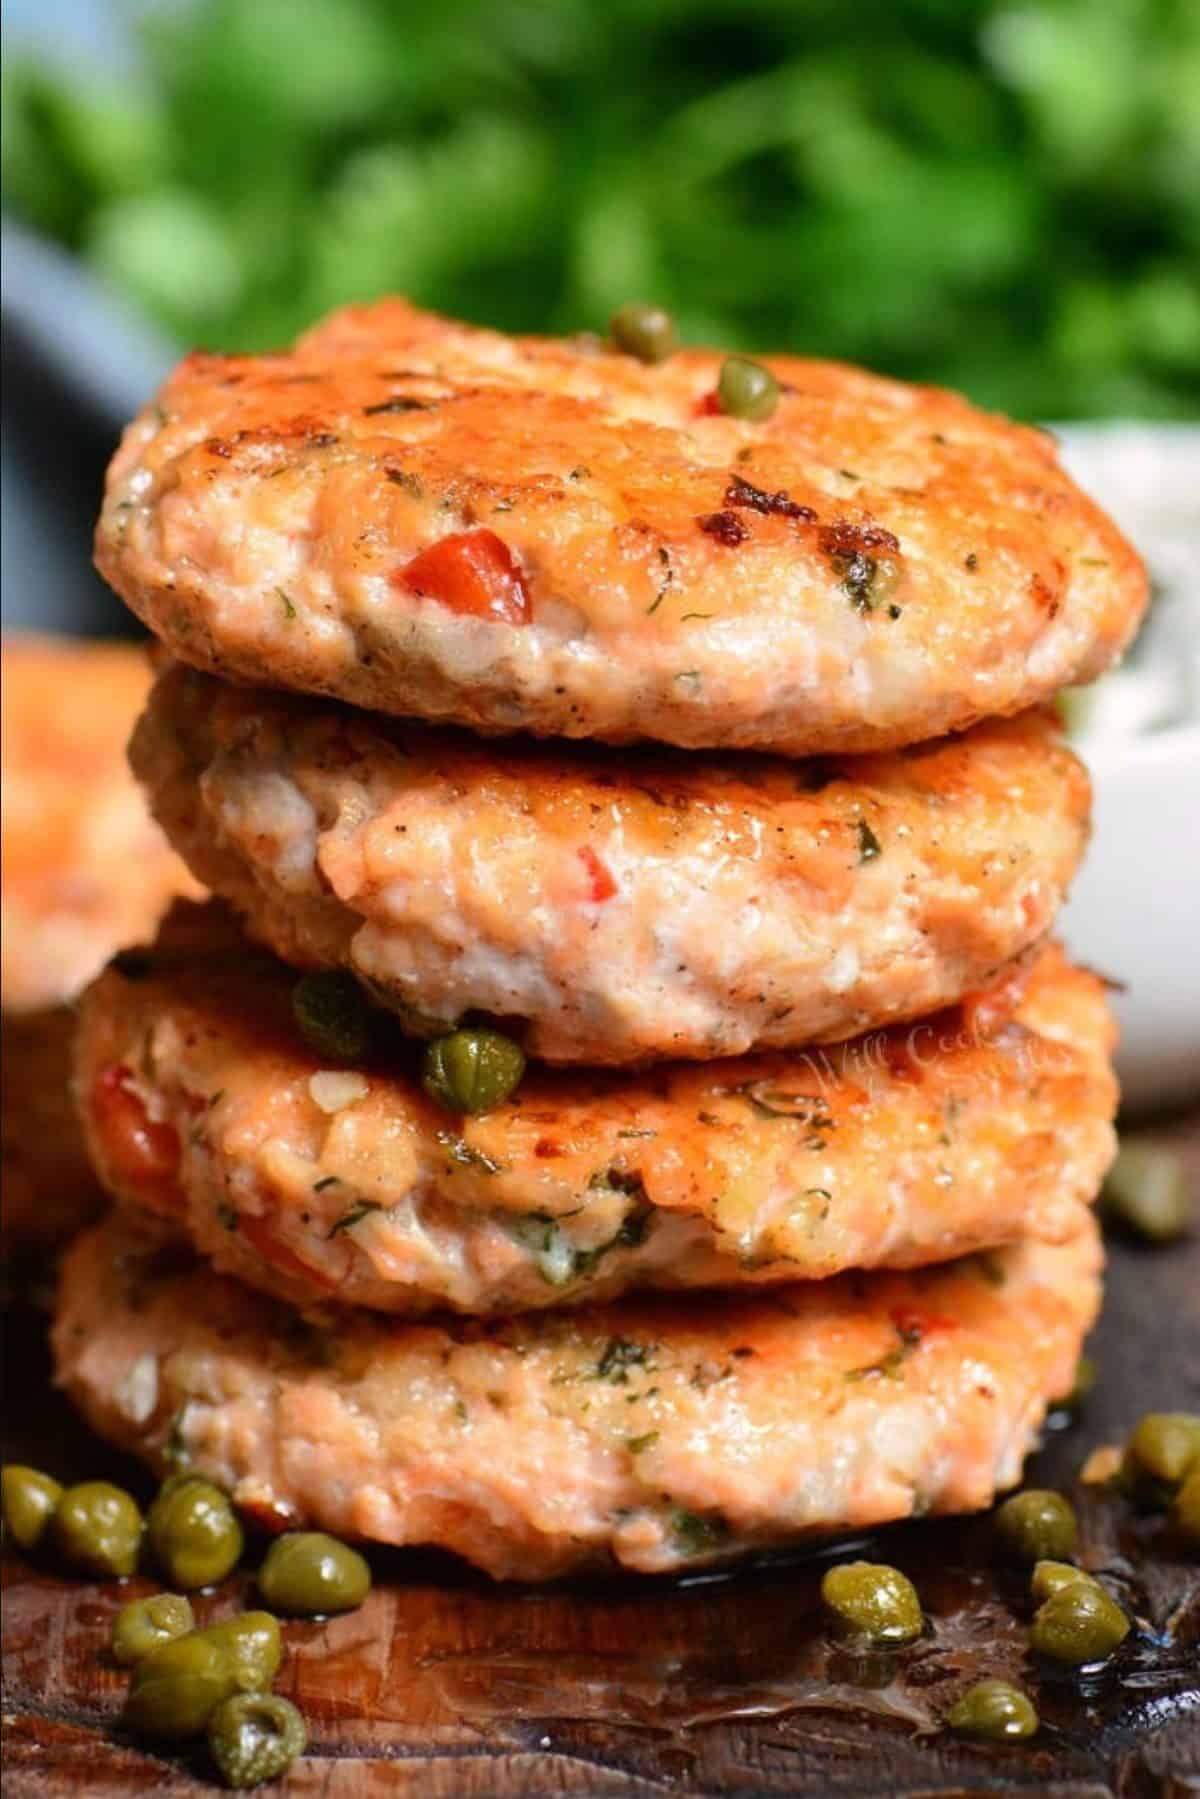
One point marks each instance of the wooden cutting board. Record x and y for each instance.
(446, 1687)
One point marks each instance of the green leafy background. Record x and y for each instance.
(1002, 197)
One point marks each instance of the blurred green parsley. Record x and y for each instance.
(1005, 198)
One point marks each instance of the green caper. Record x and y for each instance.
(747, 390)
(307, 1574)
(472, 1069)
(1051, 1577)
(334, 1017)
(1185, 1510)
(194, 1532)
(1145, 1193)
(253, 1645)
(1036, 1526)
(1079, 1623)
(994, 1710)
(647, 332)
(873, 1602)
(146, 1624)
(28, 1498)
(255, 1737)
(176, 1688)
(97, 1529)
(1163, 1450)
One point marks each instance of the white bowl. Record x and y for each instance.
(1134, 912)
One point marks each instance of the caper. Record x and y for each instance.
(307, 1574)
(747, 390)
(1185, 1510)
(1036, 1526)
(176, 1688)
(472, 1069)
(874, 1602)
(28, 1498)
(994, 1710)
(97, 1529)
(1079, 1623)
(146, 1624)
(194, 1532)
(647, 332)
(334, 1017)
(1163, 1450)
(253, 1645)
(1145, 1192)
(255, 1737)
(1051, 1577)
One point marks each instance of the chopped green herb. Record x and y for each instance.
(868, 843)
(326, 1181)
(459, 1150)
(289, 610)
(620, 1355)
(637, 1445)
(696, 1535)
(353, 1216)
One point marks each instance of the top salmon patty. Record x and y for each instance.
(427, 519)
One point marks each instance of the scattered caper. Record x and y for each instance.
(334, 1017)
(472, 1069)
(1079, 1623)
(194, 1532)
(1146, 1193)
(28, 1498)
(994, 1710)
(1163, 1450)
(307, 1574)
(1051, 1577)
(146, 1624)
(747, 390)
(874, 1602)
(1185, 1510)
(97, 1528)
(647, 332)
(255, 1737)
(176, 1688)
(253, 1645)
(1036, 1526)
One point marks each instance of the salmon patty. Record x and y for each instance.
(85, 870)
(521, 534)
(678, 1431)
(617, 908)
(201, 1102)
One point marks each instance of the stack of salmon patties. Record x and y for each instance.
(625, 1104)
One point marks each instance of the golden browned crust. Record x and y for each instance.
(618, 907)
(984, 1123)
(874, 565)
(647, 1435)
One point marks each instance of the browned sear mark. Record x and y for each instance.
(772, 505)
(726, 527)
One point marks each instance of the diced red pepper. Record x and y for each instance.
(709, 407)
(137, 1150)
(473, 572)
(601, 884)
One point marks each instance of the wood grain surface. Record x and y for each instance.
(446, 1687)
